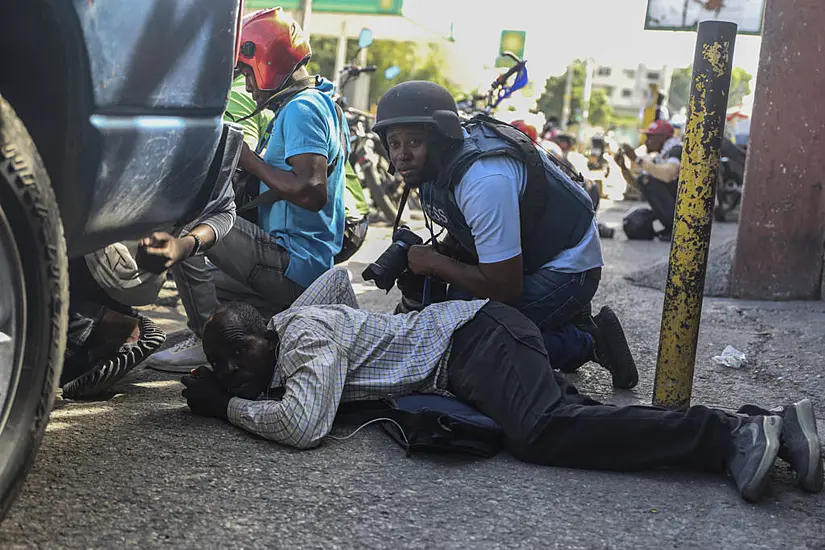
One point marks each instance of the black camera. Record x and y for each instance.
(393, 262)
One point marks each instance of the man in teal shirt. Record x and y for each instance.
(299, 234)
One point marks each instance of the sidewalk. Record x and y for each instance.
(139, 471)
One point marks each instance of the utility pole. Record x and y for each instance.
(682, 309)
(781, 239)
(341, 54)
(588, 88)
(568, 92)
(304, 16)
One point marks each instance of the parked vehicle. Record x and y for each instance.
(730, 180)
(597, 155)
(110, 128)
(499, 90)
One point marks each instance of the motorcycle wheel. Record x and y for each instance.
(728, 197)
(379, 198)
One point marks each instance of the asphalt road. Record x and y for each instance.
(139, 471)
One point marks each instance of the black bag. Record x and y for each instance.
(638, 224)
(428, 422)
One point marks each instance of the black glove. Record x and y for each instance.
(204, 394)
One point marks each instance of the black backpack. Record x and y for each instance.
(638, 224)
(427, 422)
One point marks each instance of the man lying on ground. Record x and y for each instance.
(324, 350)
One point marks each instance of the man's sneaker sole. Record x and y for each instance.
(624, 371)
(103, 376)
(772, 428)
(811, 480)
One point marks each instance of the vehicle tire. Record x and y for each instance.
(719, 213)
(33, 308)
(380, 199)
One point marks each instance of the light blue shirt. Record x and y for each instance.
(488, 196)
(307, 124)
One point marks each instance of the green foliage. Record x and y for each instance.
(551, 101)
(740, 86)
(679, 94)
(384, 54)
(407, 56)
(601, 112)
(323, 55)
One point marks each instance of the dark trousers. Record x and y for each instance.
(86, 303)
(552, 300)
(661, 196)
(499, 365)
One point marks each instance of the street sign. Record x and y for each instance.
(366, 7)
(511, 41)
(685, 15)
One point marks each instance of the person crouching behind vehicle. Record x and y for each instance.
(300, 228)
(528, 242)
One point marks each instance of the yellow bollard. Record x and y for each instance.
(694, 214)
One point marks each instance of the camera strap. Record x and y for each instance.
(404, 196)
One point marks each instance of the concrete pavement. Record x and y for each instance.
(139, 471)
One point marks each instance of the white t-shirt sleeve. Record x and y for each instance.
(490, 205)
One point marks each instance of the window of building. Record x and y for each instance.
(604, 71)
(627, 93)
(653, 75)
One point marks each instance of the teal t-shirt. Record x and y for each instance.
(307, 124)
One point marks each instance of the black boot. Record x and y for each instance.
(611, 350)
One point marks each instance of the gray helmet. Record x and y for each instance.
(418, 102)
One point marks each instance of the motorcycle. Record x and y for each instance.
(370, 160)
(729, 180)
(597, 156)
(368, 156)
(498, 92)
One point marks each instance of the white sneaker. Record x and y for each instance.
(182, 357)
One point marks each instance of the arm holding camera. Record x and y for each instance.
(490, 205)
(499, 281)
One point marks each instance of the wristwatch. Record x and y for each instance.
(197, 247)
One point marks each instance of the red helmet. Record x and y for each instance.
(526, 128)
(273, 46)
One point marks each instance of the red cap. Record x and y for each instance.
(659, 128)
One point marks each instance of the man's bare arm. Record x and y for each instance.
(305, 185)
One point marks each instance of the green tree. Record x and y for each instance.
(601, 112)
(740, 86)
(679, 94)
(408, 57)
(551, 101)
(384, 54)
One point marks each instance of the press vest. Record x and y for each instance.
(555, 212)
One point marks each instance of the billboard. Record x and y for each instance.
(365, 7)
(685, 15)
(511, 41)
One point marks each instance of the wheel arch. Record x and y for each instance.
(46, 79)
